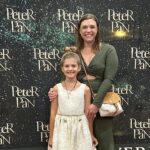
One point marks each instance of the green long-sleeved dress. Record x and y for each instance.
(104, 67)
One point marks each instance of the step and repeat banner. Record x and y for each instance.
(33, 34)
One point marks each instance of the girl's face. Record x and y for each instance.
(88, 30)
(70, 68)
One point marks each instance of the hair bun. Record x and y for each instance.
(71, 49)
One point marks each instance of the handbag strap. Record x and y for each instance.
(84, 68)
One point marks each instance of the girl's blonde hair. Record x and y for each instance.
(68, 55)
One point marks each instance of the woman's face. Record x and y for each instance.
(88, 30)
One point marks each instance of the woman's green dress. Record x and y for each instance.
(104, 67)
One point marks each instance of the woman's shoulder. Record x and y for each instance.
(108, 47)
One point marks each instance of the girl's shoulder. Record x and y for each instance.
(56, 86)
(59, 85)
(86, 88)
(81, 85)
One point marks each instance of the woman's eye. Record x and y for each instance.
(92, 27)
(84, 27)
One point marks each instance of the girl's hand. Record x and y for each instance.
(50, 142)
(94, 141)
(49, 148)
(52, 94)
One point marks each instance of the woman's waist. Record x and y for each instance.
(95, 84)
(89, 77)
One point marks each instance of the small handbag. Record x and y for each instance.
(111, 103)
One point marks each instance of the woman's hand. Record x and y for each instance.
(91, 111)
(52, 94)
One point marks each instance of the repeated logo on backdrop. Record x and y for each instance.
(120, 20)
(20, 20)
(43, 130)
(134, 148)
(68, 19)
(140, 128)
(26, 85)
(25, 98)
(6, 132)
(140, 58)
(4, 59)
(125, 90)
(46, 60)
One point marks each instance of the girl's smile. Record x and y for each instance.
(70, 68)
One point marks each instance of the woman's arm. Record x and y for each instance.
(53, 111)
(111, 66)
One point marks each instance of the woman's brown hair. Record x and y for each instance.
(80, 42)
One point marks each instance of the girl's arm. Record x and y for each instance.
(87, 102)
(53, 111)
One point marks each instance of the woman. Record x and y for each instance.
(101, 64)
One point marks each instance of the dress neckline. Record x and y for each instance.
(71, 90)
(87, 65)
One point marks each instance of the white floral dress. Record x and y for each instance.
(71, 131)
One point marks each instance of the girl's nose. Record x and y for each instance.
(70, 68)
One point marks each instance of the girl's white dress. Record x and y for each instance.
(71, 131)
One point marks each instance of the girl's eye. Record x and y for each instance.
(73, 66)
(66, 66)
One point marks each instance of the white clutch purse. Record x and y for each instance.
(111, 105)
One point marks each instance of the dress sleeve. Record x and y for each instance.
(111, 66)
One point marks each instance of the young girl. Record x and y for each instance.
(69, 127)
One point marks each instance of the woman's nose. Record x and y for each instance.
(88, 29)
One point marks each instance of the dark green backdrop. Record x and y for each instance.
(33, 34)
